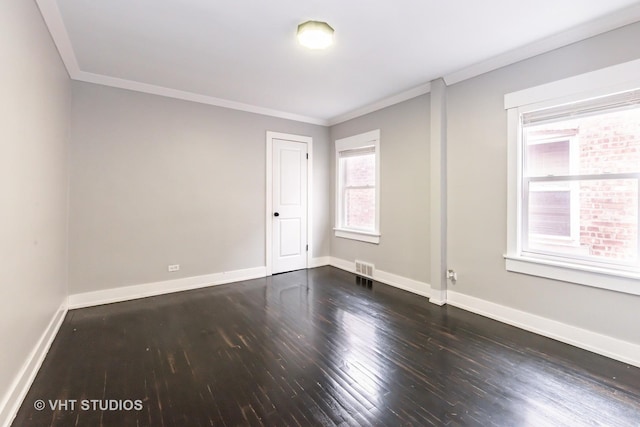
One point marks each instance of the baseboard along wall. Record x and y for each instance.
(126, 293)
(604, 345)
(14, 397)
(410, 285)
(613, 348)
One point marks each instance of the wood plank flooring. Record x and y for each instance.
(315, 348)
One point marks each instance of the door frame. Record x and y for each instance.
(269, 193)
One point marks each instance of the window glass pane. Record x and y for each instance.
(359, 171)
(603, 143)
(610, 143)
(549, 211)
(360, 208)
(548, 158)
(591, 219)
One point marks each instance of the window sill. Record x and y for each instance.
(598, 277)
(363, 236)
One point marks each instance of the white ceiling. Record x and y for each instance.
(243, 54)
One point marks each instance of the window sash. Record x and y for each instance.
(588, 260)
(343, 188)
(344, 224)
(578, 177)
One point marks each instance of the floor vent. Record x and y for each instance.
(364, 269)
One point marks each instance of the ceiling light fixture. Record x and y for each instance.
(315, 35)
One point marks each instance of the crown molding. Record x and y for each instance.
(584, 31)
(53, 19)
(100, 79)
(383, 103)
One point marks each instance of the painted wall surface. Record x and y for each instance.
(404, 190)
(158, 181)
(477, 189)
(35, 108)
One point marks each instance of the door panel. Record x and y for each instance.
(290, 237)
(290, 177)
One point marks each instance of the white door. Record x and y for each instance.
(289, 206)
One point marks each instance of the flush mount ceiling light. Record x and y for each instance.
(315, 35)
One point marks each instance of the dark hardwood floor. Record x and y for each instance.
(315, 348)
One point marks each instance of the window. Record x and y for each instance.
(358, 189)
(581, 202)
(574, 180)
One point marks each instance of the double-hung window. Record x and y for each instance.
(575, 190)
(358, 187)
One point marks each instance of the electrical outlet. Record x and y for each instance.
(174, 267)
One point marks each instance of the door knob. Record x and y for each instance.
(276, 214)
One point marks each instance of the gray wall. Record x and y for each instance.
(477, 189)
(158, 181)
(404, 190)
(34, 119)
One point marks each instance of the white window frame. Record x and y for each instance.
(619, 78)
(365, 140)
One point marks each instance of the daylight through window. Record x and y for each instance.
(357, 192)
(580, 174)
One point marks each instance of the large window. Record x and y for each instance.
(358, 189)
(581, 202)
(575, 189)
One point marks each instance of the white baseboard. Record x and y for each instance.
(597, 343)
(320, 261)
(125, 293)
(438, 297)
(613, 348)
(342, 264)
(15, 395)
(410, 285)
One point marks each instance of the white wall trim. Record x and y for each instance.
(269, 194)
(52, 17)
(14, 397)
(438, 296)
(383, 103)
(320, 262)
(404, 283)
(362, 236)
(614, 348)
(55, 23)
(601, 25)
(190, 96)
(604, 81)
(342, 264)
(614, 280)
(126, 293)
(438, 192)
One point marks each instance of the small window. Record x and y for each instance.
(357, 192)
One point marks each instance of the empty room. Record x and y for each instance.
(320, 213)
